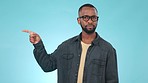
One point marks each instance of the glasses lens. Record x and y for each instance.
(85, 18)
(94, 18)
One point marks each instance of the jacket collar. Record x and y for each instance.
(95, 41)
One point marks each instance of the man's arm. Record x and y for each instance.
(47, 62)
(111, 67)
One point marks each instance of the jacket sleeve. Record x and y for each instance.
(46, 61)
(111, 67)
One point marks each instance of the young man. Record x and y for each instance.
(86, 58)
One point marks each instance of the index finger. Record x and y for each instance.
(27, 31)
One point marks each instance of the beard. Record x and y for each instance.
(85, 29)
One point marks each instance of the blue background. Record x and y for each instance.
(124, 23)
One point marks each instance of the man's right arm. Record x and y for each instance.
(46, 61)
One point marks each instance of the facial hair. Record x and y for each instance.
(88, 31)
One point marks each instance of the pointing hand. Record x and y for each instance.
(34, 37)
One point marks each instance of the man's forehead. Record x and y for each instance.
(89, 10)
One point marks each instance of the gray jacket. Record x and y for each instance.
(100, 64)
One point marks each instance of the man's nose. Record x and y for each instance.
(89, 21)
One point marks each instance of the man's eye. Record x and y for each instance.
(94, 17)
(86, 17)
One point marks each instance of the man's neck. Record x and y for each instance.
(88, 38)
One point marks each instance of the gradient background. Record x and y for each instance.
(124, 23)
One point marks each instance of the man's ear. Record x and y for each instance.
(78, 20)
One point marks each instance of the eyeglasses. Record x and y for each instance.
(86, 18)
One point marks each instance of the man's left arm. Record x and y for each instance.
(111, 75)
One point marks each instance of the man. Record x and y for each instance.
(86, 58)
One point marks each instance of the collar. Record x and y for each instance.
(95, 41)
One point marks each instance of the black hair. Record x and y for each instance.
(87, 5)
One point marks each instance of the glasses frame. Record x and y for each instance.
(89, 17)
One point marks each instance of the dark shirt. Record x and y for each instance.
(100, 65)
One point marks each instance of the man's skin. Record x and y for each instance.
(34, 37)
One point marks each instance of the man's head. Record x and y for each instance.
(88, 18)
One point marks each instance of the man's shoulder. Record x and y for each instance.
(105, 44)
(70, 40)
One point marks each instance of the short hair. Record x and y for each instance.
(87, 5)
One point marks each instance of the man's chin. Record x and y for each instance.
(89, 31)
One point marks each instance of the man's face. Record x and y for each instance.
(88, 19)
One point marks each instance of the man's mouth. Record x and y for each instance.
(89, 27)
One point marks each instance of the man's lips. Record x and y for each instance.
(90, 27)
